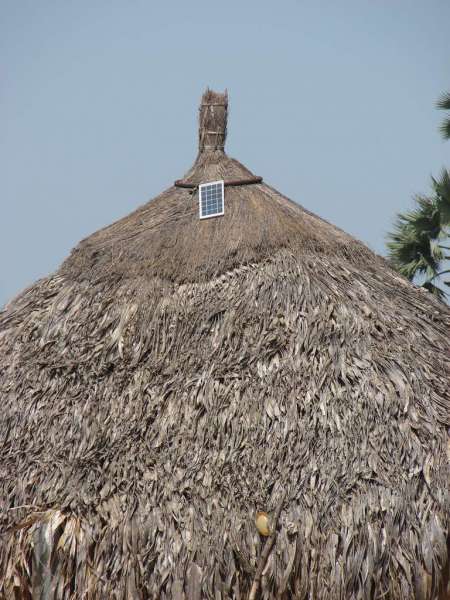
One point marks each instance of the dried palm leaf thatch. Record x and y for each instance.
(174, 376)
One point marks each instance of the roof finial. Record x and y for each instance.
(212, 129)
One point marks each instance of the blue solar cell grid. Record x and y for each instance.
(211, 199)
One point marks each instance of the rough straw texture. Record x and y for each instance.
(175, 375)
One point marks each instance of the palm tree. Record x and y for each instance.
(444, 104)
(419, 246)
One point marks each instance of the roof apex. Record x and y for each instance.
(212, 125)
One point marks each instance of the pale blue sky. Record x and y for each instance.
(331, 102)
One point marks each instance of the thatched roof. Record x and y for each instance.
(176, 375)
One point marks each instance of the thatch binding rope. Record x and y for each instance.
(231, 183)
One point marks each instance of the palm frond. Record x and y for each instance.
(441, 188)
(425, 220)
(444, 101)
(409, 249)
(435, 290)
(444, 128)
(413, 245)
(444, 104)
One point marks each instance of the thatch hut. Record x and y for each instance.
(179, 375)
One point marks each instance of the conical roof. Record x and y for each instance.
(166, 239)
(177, 375)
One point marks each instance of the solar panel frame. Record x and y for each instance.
(211, 199)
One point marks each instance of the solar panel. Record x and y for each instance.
(211, 199)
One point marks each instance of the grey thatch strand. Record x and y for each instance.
(174, 375)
